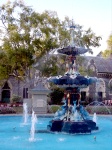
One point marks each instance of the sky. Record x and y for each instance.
(94, 14)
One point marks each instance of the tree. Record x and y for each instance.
(51, 65)
(27, 35)
(90, 39)
(48, 67)
(108, 51)
(109, 42)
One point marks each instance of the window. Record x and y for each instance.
(92, 68)
(5, 93)
(100, 96)
(25, 92)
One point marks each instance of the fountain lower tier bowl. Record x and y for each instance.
(72, 127)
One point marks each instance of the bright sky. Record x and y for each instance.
(96, 14)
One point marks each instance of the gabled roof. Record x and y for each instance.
(103, 65)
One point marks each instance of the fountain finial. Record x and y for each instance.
(72, 28)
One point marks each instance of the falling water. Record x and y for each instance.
(32, 132)
(76, 115)
(95, 118)
(97, 103)
(25, 113)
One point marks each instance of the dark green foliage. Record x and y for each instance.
(15, 98)
(54, 108)
(56, 96)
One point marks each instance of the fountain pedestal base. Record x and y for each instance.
(72, 127)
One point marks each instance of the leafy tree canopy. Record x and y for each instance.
(108, 51)
(27, 35)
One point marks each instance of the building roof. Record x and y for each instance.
(103, 65)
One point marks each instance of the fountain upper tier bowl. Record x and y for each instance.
(70, 50)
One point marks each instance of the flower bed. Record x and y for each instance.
(6, 110)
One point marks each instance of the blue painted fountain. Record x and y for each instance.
(73, 117)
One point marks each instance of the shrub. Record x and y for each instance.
(16, 98)
(54, 108)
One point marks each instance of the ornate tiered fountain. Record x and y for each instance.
(73, 117)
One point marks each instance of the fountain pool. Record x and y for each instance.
(14, 135)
